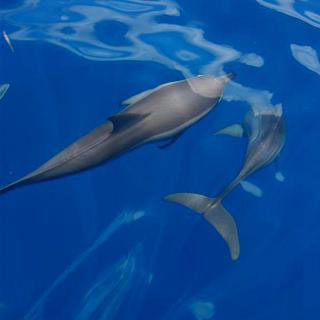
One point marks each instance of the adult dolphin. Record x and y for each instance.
(161, 113)
(265, 129)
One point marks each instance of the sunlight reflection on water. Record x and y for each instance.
(76, 26)
(290, 8)
(73, 26)
(307, 56)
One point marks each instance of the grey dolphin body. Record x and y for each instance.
(161, 113)
(266, 133)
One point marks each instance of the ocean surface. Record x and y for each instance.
(103, 244)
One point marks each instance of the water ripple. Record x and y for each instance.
(129, 30)
(73, 25)
(290, 8)
(307, 56)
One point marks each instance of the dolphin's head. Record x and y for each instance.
(208, 86)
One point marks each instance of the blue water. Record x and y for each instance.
(102, 244)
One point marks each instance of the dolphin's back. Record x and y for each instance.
(172, 107)
(178, 96)
(266, 133)
(266, 139)
(85, 152)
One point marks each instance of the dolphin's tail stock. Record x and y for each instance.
(215, 214)
(13, 185)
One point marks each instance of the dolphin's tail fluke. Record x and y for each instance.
(215, 214)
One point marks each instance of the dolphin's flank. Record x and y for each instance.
(160, 113)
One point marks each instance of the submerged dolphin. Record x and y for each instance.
(265, 130)
(161, 113)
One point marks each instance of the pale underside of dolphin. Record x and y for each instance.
(161, 113)
(266, 135)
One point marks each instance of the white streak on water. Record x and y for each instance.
(26, 4)
(258, 100)
(138, 215)
(187, 55)
(252, 59)
(73, 26)
(288, 7)
(251, 188)
(307, 56)
(312, 15)
(203, 310)
(3, 89)
(279, 176)
(140, 19)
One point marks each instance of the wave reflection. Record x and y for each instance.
(130, 30)
(289, 8)
(307, 56)
(75, 26)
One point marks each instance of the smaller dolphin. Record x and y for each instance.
(161, 113)
(265, 129)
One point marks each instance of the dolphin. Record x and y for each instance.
(161, 113)
(266, 136)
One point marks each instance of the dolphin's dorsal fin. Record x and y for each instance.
(236, 130)
(3, 89)
(136, 98)
(121, 120)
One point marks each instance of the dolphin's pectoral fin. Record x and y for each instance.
(215, 214)
(121, 120)
(3, 89)
(171, 141)
(236, 130)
